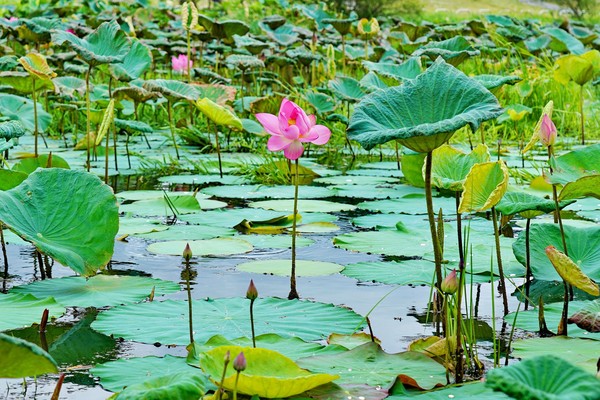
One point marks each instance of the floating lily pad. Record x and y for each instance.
(229, 317)
(411, 204)
(20, 310)
(475, 390)
(303, 206)
(283, 267)
(231, 217)
(580, 352)
(387, 221)
(204, 179)
(267, 192)
(132, 226)
(409, 272)
(181, 205)
(276, 241)
(179, 386)
(208, 247)
(369, 364)
(135, 195)
(355, 180)
(99, 290)
(21, 359)
(188, 232)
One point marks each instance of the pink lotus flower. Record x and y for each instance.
(292, 128)
(180, 63)
(71, 31)
(547, 131)
(13, 19)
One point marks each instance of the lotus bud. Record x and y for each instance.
(239, 364)
(547, 131)
(227, 357)
(187, 252)
(450, 283)
(251, 293)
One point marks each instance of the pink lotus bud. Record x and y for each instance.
(450, 283)
(187, 252)
(251, 293)
(239, 364)
(547, 131)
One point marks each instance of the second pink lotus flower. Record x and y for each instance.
(291, 128)
(180, 62)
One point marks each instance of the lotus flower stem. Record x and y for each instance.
(189, 56)
(35, 118)
(88, 116)
(581, 114)
(461, 267)
(5, 257)
(219, 393)
(501, 284)
(527, 262)
(114, 132)
(56, 393)
(218, 151)
(40, 264)
(187, 255)
(293, 293)
(172, 127)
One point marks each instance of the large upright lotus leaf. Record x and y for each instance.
(454, 51)
(136, 93)
(268, 373)
(372, 82)
(21, 109)
(346, 88)
(581, 352)
(11, 130)
(37, 66)
(172, 89)
(229, 317)
(409, 69)
(484, 186)
(21, 359)
(579, 69)
(22, 310)
(491, 82)
(219, 94)
(322, 103)
(588, 317)
(105, 45)
(223, 29)
(563, 41)
(570, 272)
(583, 245)
(98, 291)
(369, 364)
(527, 204)
(586, 186)
(78, 234)
(414, 114)
(576, 164)
(135, 63)
(220, 115)
(177, 386)
(545, 378)
(22, 83)
(450, 166)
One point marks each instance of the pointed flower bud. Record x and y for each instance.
(251, 293)
(227, 357)
(547, 131)
(239, 364)
(187, 252)
(450, 283)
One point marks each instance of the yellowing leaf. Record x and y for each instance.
(108, 118)
(571, 272)
(579, 69)
(218, 114)
(451, 166)
(484, 186)
(37, 66)
(548, 108)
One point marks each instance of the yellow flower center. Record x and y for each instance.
(291, 122)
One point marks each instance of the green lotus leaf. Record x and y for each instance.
(451, 166)
(322, 103)
(20, 109)
(220, 115)
(472, 390)
(22, 83)
(409, 69)
(587, 186)
(178, 205)
(189, 232)
(223, 29)
(106, 45)
(254, 46)
(372, 82)
(177, 386)
(304, 206)
(207, 247)
(9, 179)
(172, 89)
(529, 320)
(263, 241)
(580, 69)
(136, 93)
(272, 225)
(22, 310)
(291, 347)
(580, 352)
(37, 66)
(69, 85)
(135, 63)
(229, 317)
(135, 126)
(231, 216)
(369, 364)
(11, 130)
(267, 192)
(563, 41)
(219, 94)
(244, 62)
(118, 374)
(536, 44)
(588, 317)
(284, 35)
(268, 373)
(491, 82)
(484, 186)
(341, 25)
(98, 291)
(583, 245)
(409, 272)
(356, 180)
(283, 267)
(346, 88)
(528, 205)
(273, 21)
(411, 204)
(546, 378)
(454, 51)
(21, 359)
(79, 235)
(316, 12)
(413, 114)
(576, 164)
(570, 272)
(375, 191)
(30, 164)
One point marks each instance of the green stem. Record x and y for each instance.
(35, 118)
(293, 292)
(461, 266)
(581, 114)
(189, 296)
(237, 377)
(172, 127)
(527, 262)
(88, 115)
(501, 284)
(189, 57)
(252, 322)
(218, 150)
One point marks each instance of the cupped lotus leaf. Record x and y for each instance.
(30, 164)
(22, 310)
(189, 15)
(273, 21)
(135, 126)
(472, 390)
(303, 206)
(9, 179)
(272, 225)
(527, 204)
(135, 63)
(570, 272)
(98, 291)
(172, 89)
(11, 130)
(207, 247)
(491, 82)
(267, 192)
(283, 267)
(220, 94)
(583, 245)
(563, 41)
(220, 115)
(588, 317)
(229, 317)
(322, 103)
(586, 186)
(529, 320)
(580, 352)
(341, 25)
(178, 205)
(370, 365)
(268, 373)
(69, 85)
(136, 93)
(177, 386)
(106, 45)
(454, 51)
(545, 378)
(450, 165)
(346, 88)
(37, 66)
(79, 235)
(413, 114)
(223, 30)
(409, 69)
(535, 137)
(484, 186)
(579, 69)
(20, 109)
(21, 359)
(118, 374)
(244, 62)
(372, 82)
(576, 164)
